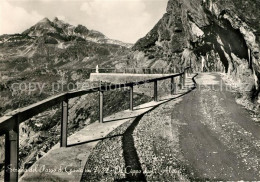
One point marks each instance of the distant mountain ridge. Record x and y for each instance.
(61, 31)
(57, 44)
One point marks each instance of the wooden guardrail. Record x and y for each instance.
(142, 70)
(9, 124)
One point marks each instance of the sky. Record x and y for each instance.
(125, 20)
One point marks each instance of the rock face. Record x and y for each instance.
(209, 35)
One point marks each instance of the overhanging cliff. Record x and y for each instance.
(210, 35)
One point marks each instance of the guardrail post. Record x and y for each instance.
(64, 123)
(131, 97)
(173, 86)
(155, 91)
(11, 153)
(181, 82)
(101, 97)
(184, 77)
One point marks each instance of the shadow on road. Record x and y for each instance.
(134, 171)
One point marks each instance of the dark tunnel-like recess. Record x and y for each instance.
(232, 40)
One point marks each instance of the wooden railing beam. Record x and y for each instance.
(173, 86)
(155, 91)
(131, 95)
(184, 78)
(181, 82)
(101, 98)
(64, 123)
(11, 153)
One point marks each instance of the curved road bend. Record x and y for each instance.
(219, 140)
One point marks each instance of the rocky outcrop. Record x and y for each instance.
(209, 35)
